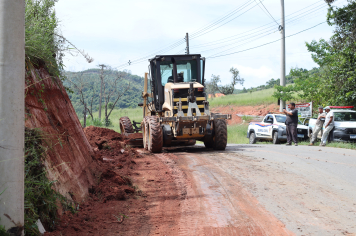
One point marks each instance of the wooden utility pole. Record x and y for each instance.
(12, 114)
(101, 87)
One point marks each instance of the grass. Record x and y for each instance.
(245, 99)
(41, 200)
(135, 114)
(237, 134)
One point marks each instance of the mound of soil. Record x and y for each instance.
(116, 163)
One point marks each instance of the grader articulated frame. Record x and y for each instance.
(176, 110)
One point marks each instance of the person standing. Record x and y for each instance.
(291, 124)
(329, 125)
(318, 125)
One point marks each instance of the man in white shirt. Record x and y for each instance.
(318, 126)
(329, 125)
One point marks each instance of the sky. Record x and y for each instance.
(115, 32)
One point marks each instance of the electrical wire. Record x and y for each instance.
(249, 39)
(269, 13)
(194, 37)
(242, 35)
(267, 43)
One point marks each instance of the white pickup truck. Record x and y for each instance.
(273, 128)
(344, 125)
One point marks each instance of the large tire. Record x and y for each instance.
(126, 125)
(275, 138)
(220, 135)
(252, 138)
(208, 142)
(154, 135)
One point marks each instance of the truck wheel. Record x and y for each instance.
(154, 135)
(275, 138)
(252, 138)
(220, 136)
(126, 125)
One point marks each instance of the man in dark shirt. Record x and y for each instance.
(291, 124)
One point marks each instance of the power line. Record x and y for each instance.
(240, 35)
(267, 43)
(221, 19)
(224, 23)
(269, 13)
(256, 34)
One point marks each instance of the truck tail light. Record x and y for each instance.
(200, 89)
(176, 90)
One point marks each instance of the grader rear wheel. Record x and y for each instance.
(154, 135)
(126, 125)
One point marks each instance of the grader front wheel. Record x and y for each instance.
(219, 139)
(220, 136)
(153, 138)
(126, 125)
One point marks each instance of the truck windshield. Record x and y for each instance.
(187, 71)
(282, 119)
(344, 116)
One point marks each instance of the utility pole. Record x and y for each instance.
(101, 87)
(12, 114)
(282, 103)
(187, 43)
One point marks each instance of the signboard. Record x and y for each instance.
(304, 109)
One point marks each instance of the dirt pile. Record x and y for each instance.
(136, 192)
(105, 204)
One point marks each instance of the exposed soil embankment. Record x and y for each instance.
(260, 110)
(135, 194)
(69, 158)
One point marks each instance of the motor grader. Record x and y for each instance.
(176, 110)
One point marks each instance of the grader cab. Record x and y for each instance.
(176, 110)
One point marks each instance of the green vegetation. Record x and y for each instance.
(44, 46)
(91, 83)
(245, 99)
(335, 82)
(133, 114)
(237, 134)
(334, 144)
(41, 201)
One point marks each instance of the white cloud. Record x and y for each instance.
(114, 32)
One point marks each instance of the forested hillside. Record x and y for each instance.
(85, 86)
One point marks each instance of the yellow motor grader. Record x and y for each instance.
(176, 110)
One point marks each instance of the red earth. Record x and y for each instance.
(260, 110)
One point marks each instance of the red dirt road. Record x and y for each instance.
(139, 193)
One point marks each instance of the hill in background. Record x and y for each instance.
(91, 83)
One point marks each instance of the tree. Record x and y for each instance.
(334, 83)
(101, 87)
(113, 91)
(79, 84)
(226, 89)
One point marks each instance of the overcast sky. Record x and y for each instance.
(114, 32)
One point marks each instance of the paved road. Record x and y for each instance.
(269, 190)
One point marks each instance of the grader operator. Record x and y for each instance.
(176, 110)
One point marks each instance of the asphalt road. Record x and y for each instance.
(269, 190)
